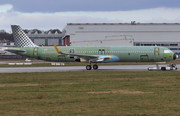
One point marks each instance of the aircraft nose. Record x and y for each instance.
(175, 56)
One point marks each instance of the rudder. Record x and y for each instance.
(20, 38)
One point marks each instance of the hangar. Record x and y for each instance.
(46, 38)
(123, 34)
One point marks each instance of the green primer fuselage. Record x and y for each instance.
(124, 54)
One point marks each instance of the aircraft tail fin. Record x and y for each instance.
(20, 38)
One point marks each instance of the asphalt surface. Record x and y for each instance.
(78, 68)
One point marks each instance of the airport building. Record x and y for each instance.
(45, 38)
(123, 34)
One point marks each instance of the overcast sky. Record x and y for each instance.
(51, 14)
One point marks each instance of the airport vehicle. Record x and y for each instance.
(168, 67)
(89, 54)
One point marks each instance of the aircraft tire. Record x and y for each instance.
(88, 67)
(163, 68)
(95, 67)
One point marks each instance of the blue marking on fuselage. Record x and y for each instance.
(112, 59)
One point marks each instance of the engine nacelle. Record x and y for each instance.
(77, 60)
(84, 60)
(81, 60)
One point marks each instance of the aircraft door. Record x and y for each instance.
(71, 51)
(156, 51)
(103, 51)
(35, 53)
(144, 58)
(99, 51)
(70, 58)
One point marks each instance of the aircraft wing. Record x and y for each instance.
(76, 55)
(88, 57)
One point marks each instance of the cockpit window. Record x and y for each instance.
(168, 51)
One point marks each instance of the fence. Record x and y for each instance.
(12, 57)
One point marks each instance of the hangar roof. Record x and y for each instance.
(133, 23)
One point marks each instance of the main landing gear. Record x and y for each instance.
(88, 67)
(95, 67)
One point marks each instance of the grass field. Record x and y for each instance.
(90, 93)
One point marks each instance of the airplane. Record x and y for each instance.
(89, 54)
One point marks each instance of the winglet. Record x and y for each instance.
(57, 50)
(87, 44)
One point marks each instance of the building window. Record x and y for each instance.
(147, 44)
(137, 44)
(173, 44)
(164, 44)
(173, 48)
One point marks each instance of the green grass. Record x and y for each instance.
(90, 93)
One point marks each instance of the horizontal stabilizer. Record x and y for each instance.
(15, 51)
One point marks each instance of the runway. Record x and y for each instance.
(78, 68)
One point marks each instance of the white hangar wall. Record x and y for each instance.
(101, 39)
(124, 34)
